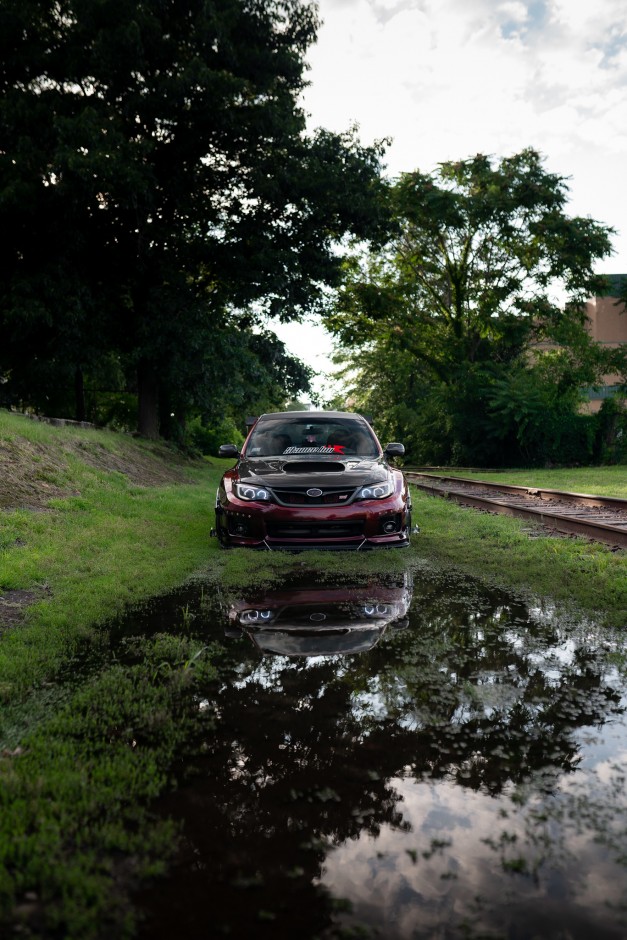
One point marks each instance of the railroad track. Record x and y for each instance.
(601, 518)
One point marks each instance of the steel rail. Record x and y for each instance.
(613, 534)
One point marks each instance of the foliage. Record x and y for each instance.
(159, 154)
(450, 317)
(617, 286)
(611, 437)
(207, 438)
(495, 416)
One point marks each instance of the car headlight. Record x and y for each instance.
(256, 616)
(374, 491)
(247, 492)
(378, 610)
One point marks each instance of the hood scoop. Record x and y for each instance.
(313, 466)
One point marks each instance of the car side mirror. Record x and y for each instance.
(394, 450)
(228, 450)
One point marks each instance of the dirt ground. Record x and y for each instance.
(13, 605)
(31, 473)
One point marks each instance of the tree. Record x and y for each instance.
(484, 265)
(244, 372)
(157, 152)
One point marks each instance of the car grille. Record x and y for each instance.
(315, 530)
(297, 496)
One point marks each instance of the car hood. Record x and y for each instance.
(354, 639)
(310, 470)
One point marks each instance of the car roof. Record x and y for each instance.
(313, 414)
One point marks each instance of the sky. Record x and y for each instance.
(446, 79)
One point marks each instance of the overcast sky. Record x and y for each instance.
(446, 79)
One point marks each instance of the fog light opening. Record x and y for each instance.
(238, 526)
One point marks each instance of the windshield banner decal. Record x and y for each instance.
(322, 449)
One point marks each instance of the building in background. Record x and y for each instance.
(607, 324)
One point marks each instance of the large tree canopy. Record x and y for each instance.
(484, 265)
(155, 174)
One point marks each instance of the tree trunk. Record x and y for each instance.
(148, 400)
(79, 394)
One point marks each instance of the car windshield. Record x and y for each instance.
(285, 435)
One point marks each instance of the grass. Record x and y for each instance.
(249, 568)
(90, 555)
(95, 523)
(76, 832)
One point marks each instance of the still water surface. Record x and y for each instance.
(418, 757)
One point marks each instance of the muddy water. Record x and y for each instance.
(421, 757)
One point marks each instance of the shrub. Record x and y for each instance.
(610, 445)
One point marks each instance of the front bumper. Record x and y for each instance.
(369, 524)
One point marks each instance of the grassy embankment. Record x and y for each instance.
(93, 522)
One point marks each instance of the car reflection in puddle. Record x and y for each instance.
(321, 620)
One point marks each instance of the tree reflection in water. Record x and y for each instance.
(454, 780)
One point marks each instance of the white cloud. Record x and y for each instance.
(395, 887)
(514, 11)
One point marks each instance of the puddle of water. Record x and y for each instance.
(414, 758)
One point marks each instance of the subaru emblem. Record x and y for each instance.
(314, 492)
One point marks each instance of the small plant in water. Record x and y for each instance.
(187, 616)
(192, 660)
(165, 667)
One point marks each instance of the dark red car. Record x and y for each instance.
(313, 479)
(321, 620)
